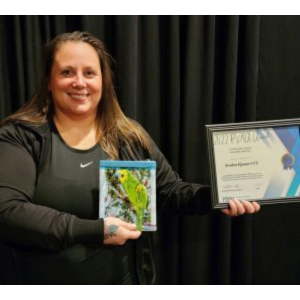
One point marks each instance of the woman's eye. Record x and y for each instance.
(90, 73)
(66, 72)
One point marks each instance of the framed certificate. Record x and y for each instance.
(255, 161)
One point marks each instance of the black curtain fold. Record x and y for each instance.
(247, 69)
(174, 74)
(5, 103)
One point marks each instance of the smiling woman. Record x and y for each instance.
(72, 121)
(49, 177)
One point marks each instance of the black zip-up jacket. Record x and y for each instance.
(23, 148)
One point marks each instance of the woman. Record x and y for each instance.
(49, 184)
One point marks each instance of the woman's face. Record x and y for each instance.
(76, 80)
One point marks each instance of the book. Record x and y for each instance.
(127, 190)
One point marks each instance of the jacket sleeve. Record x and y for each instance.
(23, 222)
(175, 195)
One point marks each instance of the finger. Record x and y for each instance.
(225, 211)
(232, 211)
(129, 226)
(133, 235)
(240, 207)
(248, 207)
(256, 206)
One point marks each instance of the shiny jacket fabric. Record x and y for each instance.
(23, 148)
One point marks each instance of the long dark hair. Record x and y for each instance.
(112, 124)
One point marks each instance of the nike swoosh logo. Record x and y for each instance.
(85, 165)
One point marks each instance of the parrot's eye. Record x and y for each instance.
(122, 175)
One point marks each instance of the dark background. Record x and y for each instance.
(174, 74)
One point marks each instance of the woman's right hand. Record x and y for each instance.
(117, 232)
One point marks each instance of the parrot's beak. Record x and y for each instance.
(117, 175)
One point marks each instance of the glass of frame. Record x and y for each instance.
(254, 161)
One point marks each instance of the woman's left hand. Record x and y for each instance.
(237, 208)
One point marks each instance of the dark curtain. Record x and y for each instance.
(174, 74)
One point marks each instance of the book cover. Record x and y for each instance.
(128, 191)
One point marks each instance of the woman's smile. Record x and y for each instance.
(80, 97)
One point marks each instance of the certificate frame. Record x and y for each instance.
(218, 175)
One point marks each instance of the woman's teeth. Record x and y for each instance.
(78, 96)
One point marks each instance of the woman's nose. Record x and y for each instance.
(79, 82)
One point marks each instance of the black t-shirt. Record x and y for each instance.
(69, 182)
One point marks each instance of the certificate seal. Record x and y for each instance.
(287, 161)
